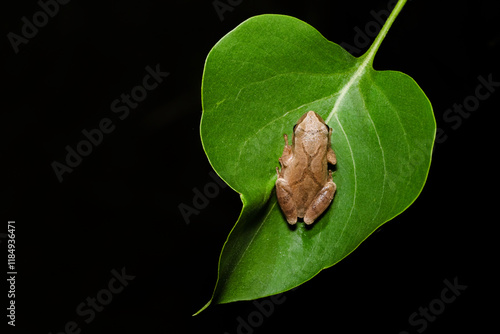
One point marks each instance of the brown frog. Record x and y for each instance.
(305, 186)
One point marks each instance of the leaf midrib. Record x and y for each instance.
(365, 61)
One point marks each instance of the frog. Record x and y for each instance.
(304, 186)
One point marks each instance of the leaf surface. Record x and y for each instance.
(258, 80)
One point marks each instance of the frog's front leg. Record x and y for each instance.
(330, 154)
(287, 153)
(285, 199)
(321, 201)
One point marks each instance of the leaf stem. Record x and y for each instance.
(366, 59)
(370, 54)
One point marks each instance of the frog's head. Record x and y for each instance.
(310, 123)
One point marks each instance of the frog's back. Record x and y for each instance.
(310, 173)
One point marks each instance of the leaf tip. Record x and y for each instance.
(203, 308)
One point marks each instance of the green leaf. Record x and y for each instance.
(258, 80)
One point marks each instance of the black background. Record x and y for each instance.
(119, 207)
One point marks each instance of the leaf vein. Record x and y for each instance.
(383, 156)
(355, 180)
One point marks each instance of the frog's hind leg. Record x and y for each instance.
(286, 201)
(321, 201)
